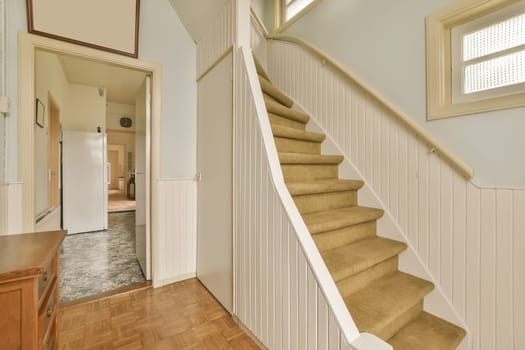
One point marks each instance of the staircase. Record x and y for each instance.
(381, 299)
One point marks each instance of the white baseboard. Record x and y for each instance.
(166, 281)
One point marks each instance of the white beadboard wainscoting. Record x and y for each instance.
(3, 208)
(471, 239)
(258, 42)
(217, 40)
(10, 208)
(284, 293)
(177, 230)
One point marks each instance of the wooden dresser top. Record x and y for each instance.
(27, 254)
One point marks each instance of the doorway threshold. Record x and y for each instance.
(106, 295)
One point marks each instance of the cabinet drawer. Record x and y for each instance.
(47, 313)
(50, 341)
(46, 277)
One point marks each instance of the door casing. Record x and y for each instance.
(28, 44)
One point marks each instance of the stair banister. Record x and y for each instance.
(351, 335)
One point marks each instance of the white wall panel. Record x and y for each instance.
(14, 208)
(284, 293)
(470, 238)
(3, 81)
(10, 208)
(176, 241)
(218, 39)
(3, 208)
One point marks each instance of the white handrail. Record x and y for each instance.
(464, 169)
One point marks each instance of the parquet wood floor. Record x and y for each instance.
(183, 315)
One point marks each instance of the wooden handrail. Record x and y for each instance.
(435, 146)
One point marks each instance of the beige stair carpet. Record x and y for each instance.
(382, 300)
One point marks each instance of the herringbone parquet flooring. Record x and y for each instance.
(179, 316)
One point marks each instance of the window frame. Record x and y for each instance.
(440, 80)
(281, 23)
(459, 64)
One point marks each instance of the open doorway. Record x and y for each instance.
(121, 158)
(86, 154)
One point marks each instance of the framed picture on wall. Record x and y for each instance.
(40, 113)
(101, 24)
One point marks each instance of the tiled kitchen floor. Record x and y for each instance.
(99, 262)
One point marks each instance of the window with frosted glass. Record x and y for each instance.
(293, 7)
(489, 55)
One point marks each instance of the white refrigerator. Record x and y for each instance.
(84, 181)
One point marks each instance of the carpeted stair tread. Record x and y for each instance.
(260, 69)
(323, 186)
(304, 158)
(283, 121)
(384, 301)
(348, 260)
(276, 108)
(428, 332)
(292, 133)
(338, 218)
(275, 93)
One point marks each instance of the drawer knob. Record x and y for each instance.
(45, 276)
(49, 311)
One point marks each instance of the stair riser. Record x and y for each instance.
(277, 120)
(297, 146)
(260, 70)
(285, 112)
(344, 236)
(265, 95)
(277, 95)
(307, 172)
(325, 201)
(393, 327)
(358, 281)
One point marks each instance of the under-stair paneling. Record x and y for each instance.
(217, 40)
(278, 295)
(470, 238)
(176, 241)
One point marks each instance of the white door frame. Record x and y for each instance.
(28, 44)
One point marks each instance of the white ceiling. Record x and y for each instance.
(197, 14)
(121, 84)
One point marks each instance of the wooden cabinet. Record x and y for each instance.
(29, 290)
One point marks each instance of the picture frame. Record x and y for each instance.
(40, 113)
(111, 26)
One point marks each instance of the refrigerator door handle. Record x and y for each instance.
(108, 173)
